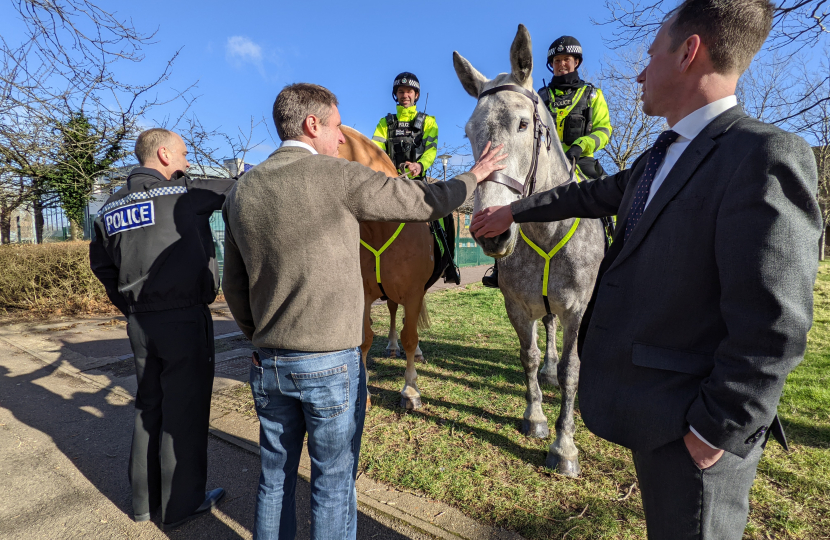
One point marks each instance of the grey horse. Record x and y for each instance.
(508, 117)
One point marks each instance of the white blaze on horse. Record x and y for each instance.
(402, 269)
(509, 111)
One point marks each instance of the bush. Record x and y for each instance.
(50, 279)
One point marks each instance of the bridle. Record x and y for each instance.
(540, 130)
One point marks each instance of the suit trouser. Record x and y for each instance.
(683, 502)
(174, 361)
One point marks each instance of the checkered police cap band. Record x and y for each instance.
(405, 81)
(157, 192)
(564, 49)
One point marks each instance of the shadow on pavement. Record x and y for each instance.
(92, 427)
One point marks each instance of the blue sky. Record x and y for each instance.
(242, 53)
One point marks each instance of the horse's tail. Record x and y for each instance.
(423, 317)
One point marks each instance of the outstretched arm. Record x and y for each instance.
(590, 199)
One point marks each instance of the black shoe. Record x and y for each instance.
(212, 498)
(452, 274)
(492, 280)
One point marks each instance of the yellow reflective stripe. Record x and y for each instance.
(379, 252)
(549, 256)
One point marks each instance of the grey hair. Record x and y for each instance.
(732, 30)
(298, 101)
(149, 142)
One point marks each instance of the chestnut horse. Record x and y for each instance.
(405, 267)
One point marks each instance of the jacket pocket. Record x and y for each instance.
(326, 391)
(680, 205)
(689, 362)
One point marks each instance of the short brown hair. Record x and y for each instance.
(732, 30)
(149, 142)
(298, 101)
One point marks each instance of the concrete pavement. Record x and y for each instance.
(66, 416)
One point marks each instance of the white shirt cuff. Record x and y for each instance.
(699, 436)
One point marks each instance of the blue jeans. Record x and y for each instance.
(323, 394)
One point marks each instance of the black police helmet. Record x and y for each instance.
(406, 79)
(565, 45)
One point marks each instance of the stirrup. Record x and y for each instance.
(492, 280)
(452, 273)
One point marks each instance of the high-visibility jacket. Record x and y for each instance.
(425, 155)
(581, 117)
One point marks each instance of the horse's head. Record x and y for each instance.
(505, 117)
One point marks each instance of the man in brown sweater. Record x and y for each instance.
(293, 284)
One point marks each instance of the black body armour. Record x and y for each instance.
(579, 121)
(405, 140)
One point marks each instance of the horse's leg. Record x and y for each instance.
(392, 350)
(563, 454)
(368, 336)
(535, 423)
(410, 395)
(547, 375)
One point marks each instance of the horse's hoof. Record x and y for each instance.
(550, 380)
(537, 430)
(411, 403)
(420, 359)
(565, 467)
(393, 353)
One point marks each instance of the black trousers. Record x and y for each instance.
(682, 502)
(174, 361)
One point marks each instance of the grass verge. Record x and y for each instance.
(464, 447)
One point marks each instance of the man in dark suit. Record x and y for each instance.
(703, 303)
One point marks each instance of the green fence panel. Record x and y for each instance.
(467, 252)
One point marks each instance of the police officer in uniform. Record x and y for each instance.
(410, 139)
(579, 111)
(154, 253)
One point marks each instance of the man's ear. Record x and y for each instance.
(692, 49)
(162, 154)
(311, 126)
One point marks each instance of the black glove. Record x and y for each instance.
(573, 153)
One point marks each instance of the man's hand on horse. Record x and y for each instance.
(415, 169)
(491, 221)
(488, 161)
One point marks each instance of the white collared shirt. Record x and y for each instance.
(688, 129)
(299, 144)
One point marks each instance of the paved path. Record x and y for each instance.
(66, 416)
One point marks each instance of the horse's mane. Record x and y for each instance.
(360, 149)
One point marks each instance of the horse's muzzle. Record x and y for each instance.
(499, 246)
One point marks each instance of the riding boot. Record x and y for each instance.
(492, 280)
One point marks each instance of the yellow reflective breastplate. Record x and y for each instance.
(549, 255)
(379, 252)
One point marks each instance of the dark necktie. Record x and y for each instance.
(655, 158)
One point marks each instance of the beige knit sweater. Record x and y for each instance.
(292, 266)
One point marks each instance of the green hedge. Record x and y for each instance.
(50, 279)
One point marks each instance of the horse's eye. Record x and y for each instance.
(523, 125)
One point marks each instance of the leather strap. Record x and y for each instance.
(512, 88)
(500, 178)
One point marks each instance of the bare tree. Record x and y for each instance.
(67, 64)
(797, 25)
(815, 124)
(633, 131)
(207, 144)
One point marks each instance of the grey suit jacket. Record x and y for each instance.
(698, 318)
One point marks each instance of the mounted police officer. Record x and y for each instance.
(410, 139)
(579, 111)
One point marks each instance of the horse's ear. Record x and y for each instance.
(470, 78)
(521, 56)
